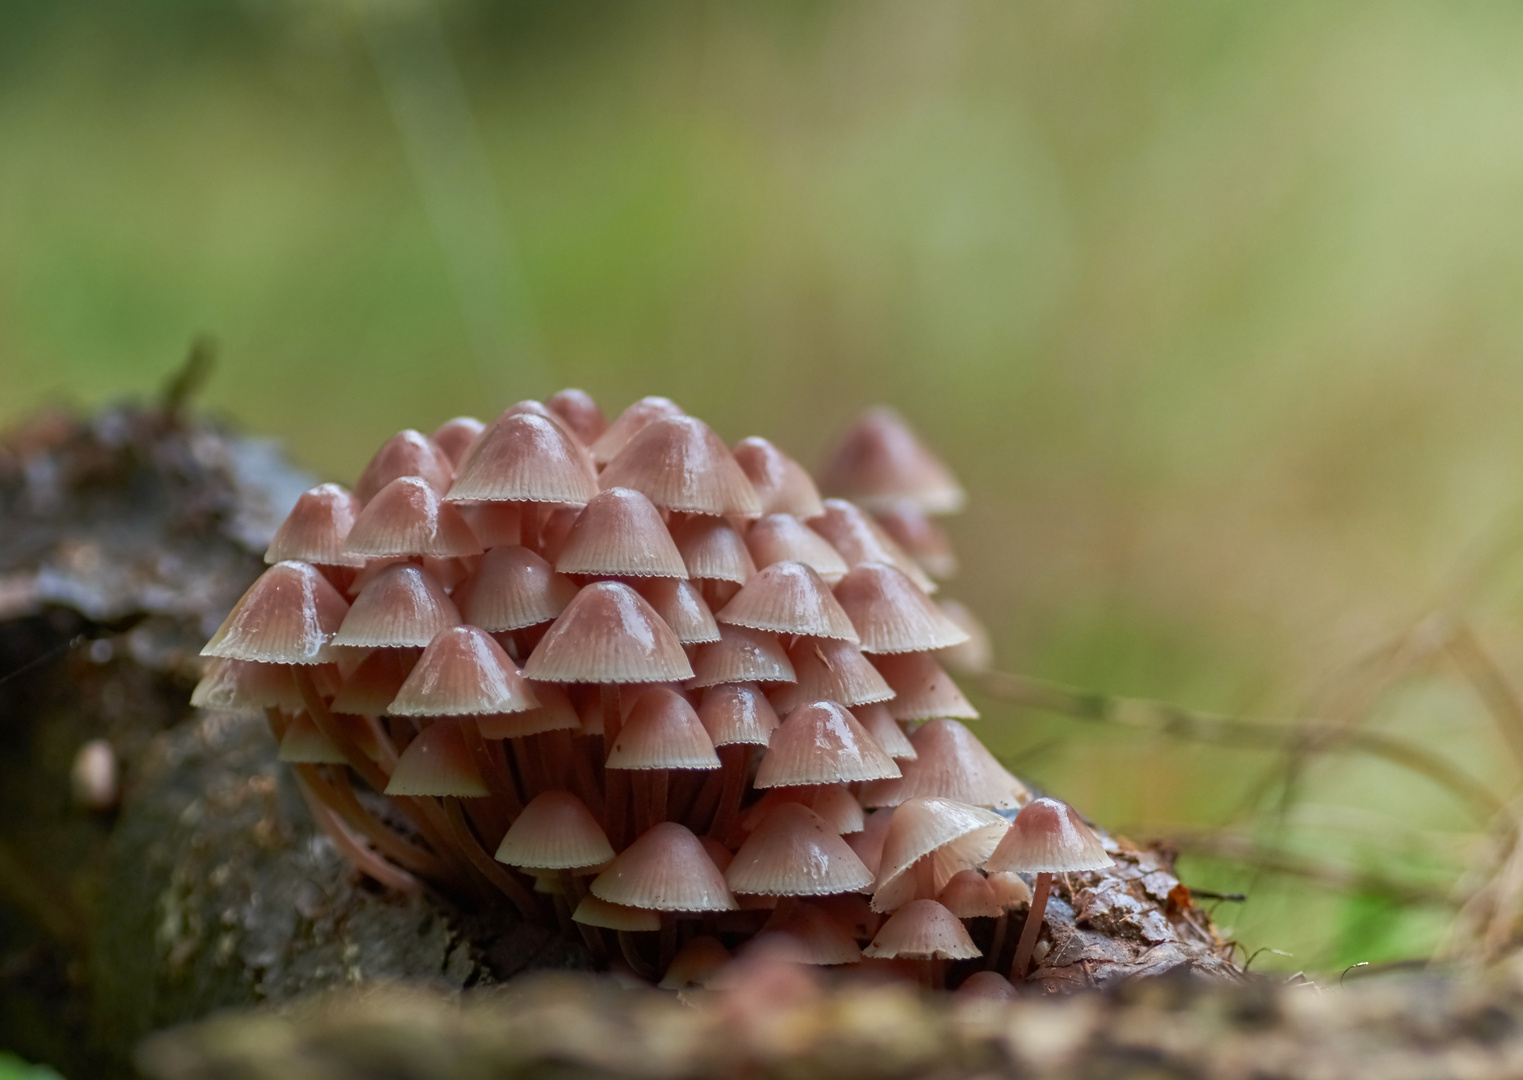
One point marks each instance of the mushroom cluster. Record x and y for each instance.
(652, 690)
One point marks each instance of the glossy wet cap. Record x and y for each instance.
(879, 461)
(1049, 837)
(713, 551)
(822, 743)
(630, 423)
(681, 606)
(784, 538)
(512, 588)
(880, 724)
(737, 714)
(788, 598)
(922, 689)
(288, 616)
(620, 534)
(782, 484)
(580, 413)
(792, 852)
(665, 869)
(455, 437)
(922, 930)
(891, 614)
(949, 764)
(608, 634)
(662, 731)
(437, 763)
(521, 457)
(954, 835)
(463, 672)
(555, 713)
(407, 453)
(680, 464)
(741, 655)
(829, 670)
(401, 606)
(316, 528)
(408, 517)
(555, 831)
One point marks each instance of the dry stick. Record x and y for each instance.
(489, 867)
(363, 859)
(1495, 692)
(1034, 917)
(1207, 727)
(337, 794)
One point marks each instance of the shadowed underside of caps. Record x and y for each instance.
(922, 689)
(891, 615)
(372, 684)
(512, 588)
(608, 634)
(556, 831)
(830, 671)
(401, 606)
(630, 423)
(681, 607)
(880, 724)
(620, 534)
(237, 685)
(920, 536)
(783, 538)
(782, 484)
(833, 802)
(879, 461)
(1048, 837)
(600, 913)
(788, 598)
(579, 413)
(525, 458)
(493, 524)
(288, 616)
(454, 437)
(953, 835)
(737, 713)
(793, 852)
(713, 551)
(407, 453)
(680, 464)
(949, 764)
(822, 743)
(922, 930)
(316, 529)
(665, 869)
(968, 895)
(662, 732)
(860, 539)
(555, 713)
(741, 655)
(806, 933)
(437, 763)
(407, 517)
(463, 672)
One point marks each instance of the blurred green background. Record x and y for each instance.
(1216, 309)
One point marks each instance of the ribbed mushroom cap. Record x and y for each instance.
(868, 844)
(1048, 837)
(968, 895)
(954, 835)
(822, 743)
(680, 464)
(525, 458)
(463, 672)
(662, 732)
(833, 802)
(288, 616)
(512, 588)
(783, 538)
(830, 671)
(713, 551)
(407, 453)
(665, 869)
(919, 535)
(608, 634)
(370, 688)
(860, 539)
(737, 713)
(454, 437)
(922, 690)
(681, 607)
(792, 852)
(949, 764)
(922, 930)
(304, 744)
(437, 763)
(401, 606)
(630, 423)
(594, 912)
(781, 483)
(620, 534)
(556, 527)
(1010, 889)
(407, 517)
(788, 598)
(556, 831)
(974, 655)
(879, 461)
(316, 528)
(741, 655)
(695, 963)
(530, 407)
(806, 933)
(880, 724)
(555, 713)
(986, 986)
(237, 685)
(580, 413)
(891, 615)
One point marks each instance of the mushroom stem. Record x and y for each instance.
(489, 867)
(733, 765)
(494, 769)
(632, 956)
(339, 796)
(1032, 928)
(997, 943)
(616, 781)
(660, 787)
(573, 890)
(317, 709)
(364, 860)
(668, 948)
